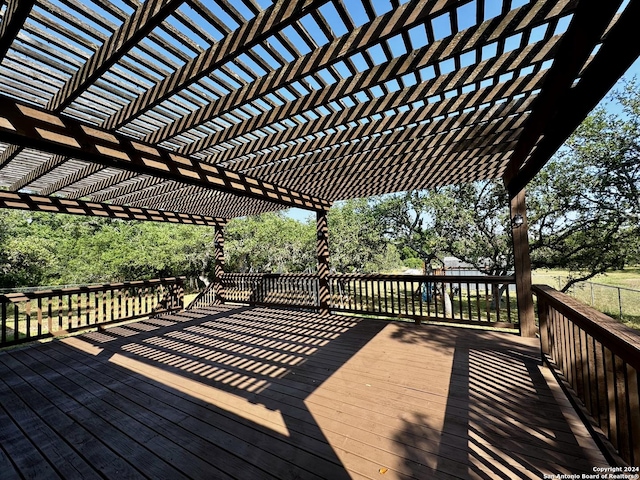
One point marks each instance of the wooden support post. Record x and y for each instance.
(323, 261)
(218, 269)
(522, 264)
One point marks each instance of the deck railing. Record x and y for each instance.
(28, 316)
(289, 289)
(599, 360)
(461, 299)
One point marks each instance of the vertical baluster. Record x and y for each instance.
(487, 292)
(69, 311)
(592, 382)
(509, 319)
(578, 359)
(611, 397)
(39, 304)
(16, 319)
(603, 397)
(27, 314)
(413, 299)
(386, 296)
(366, 294)
(633, 401)
(406, 299)
(622, 407)
(60, 303)
(49, 314)
(435, 298)
(460, 302)
(421, 285)
(96, 307)
(391, 282)
(3, 318)
(568, 364)
(79, 308)
(112, 304)
(497, 300)
(586, 366)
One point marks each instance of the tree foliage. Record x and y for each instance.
(271, 242)
(585, 204)
(357, 241)
(470, 222)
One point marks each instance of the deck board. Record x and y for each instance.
(238, 392)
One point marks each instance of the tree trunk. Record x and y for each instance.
(448, 307)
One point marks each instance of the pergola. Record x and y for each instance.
(196, 112)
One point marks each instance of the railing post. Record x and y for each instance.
(322, 234)
(543, 317)
(218, 268)
(180, 287)
(522, 265)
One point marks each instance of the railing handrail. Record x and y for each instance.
(269, 275)
(428, 278)
(385, 276)
(23, 296)
(619, 338)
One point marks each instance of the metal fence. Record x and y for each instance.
(617, 302)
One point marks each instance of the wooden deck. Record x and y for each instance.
(256, 393)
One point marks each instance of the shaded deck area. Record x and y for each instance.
(258, 393)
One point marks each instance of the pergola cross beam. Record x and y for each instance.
(14, 17)
(618, 52)
(584, 33)
(24, 125)
(37, 203)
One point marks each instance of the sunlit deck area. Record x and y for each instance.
(245, 392)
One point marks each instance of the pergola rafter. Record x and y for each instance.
(383, 27)
(280, 15)
(103, 184)
(17, 11)
(403, 65)
(382, 132)
(136, 27)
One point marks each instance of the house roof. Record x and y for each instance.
(226, 108)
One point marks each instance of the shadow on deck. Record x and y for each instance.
(238, 392)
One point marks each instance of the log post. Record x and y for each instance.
(522, 265)
(218, 268)
(322, 235)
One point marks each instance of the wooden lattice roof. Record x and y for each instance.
(225, 108)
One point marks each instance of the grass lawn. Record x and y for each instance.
(628, 278)
(605, 299)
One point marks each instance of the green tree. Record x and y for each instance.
(25, 259)
(470, 222)
(585, 204)
(271, 242)
(357, 240)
